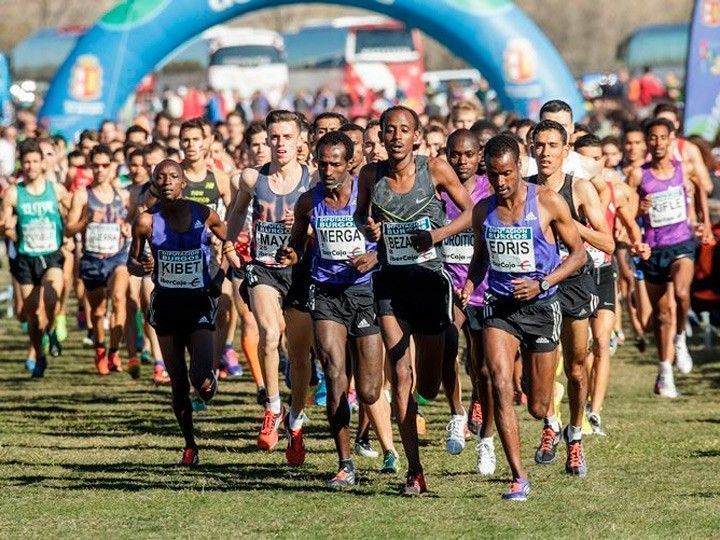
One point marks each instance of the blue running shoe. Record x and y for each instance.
(321, 393)
(198, 405)
(39, 369)
(519, 490)
(30, 364)
(146, 357)
(54, 346)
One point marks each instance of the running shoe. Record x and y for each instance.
(40, 367)
(475, 418)
(24, 327)
(262, 396)
(613, 344)
(596, 424)
(61, 327)
(89, 339)
(683, 361)
(575, 464)
(81, 320)
(54, 347)
(519, 490)
(665, 385)
(45, 343)
(390, 460)
(620, 337)
(420, 422)
(160, 375)
(486, 457)
(320, 397)
(198, 404)
(231, 363)
(455, 434)
(421, 400)
(295, 450)
(345, 478)
(114, 361)
(353, 400)
(146, 357)
(269, 435)
(415, 484)
(101, 361)
(364, 448)
(189, 458)
(641, 343)
(586, 427)
(30, 364)
(134, 367)
(546, 452)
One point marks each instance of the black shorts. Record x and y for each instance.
(578, 296)
(299, 293)
(657, 267)
(536, 324)
(277, 278)
(418, 296)
(604, 278)
(235, 273)
(475, 316)
(30, 269)
(350, 305)
(198, 312)
(96, 272)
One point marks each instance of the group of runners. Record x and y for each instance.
(373, 249)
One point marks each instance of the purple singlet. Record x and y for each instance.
(518, 250)
(458, 249)
(666, 224)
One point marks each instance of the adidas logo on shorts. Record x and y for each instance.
(542, 339)
(363, 324)
(203, 319)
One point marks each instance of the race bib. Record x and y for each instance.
(269, 237)
(102, 238)
(599, 257)
(458, 249)
(339, 238)
(511, 249)
(397, 243)
(180, 269)
(668, 207)
(39, 236)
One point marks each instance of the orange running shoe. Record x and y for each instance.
(114, 361)
(475, 417)
(134, 367)
(415, 484)
(160, 376)
(295, 451)
(189, 458)
(269, 435)
(101, 362)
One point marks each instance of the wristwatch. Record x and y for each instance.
(544, 285)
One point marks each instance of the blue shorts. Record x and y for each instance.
(96, 272)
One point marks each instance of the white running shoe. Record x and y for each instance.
(486, 456)
(596, 424)
(683, 361)
(455, 438)
(665, 385)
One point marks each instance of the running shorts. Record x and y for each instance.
(416, 295)
(657, 267)
(277, 278)
(96, 272)
(475, 316)
(197, 312)
(298, 294)
(353, 306)
(536, 324)
(30, 269)
(578, 296)
(605, 283)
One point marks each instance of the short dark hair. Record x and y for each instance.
(521, 123)
(347, 128)
(666, 107)
(329, 114)
(460, 134)
(89, 134)
(30, 146)
(193, 123)
(136, 129)
(500, 145)
(373, 123)
(610, 139)
(137, 152)
(254, 127)
(587, 141)
(549, 125)
(483, 125)
(399, 108)
(556, 106)
(101, 149)
(153, 147)
(632, 127)
(659, 122)
(281, 115)
(337, 138)
(582, 127)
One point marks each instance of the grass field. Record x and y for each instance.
(88, 458)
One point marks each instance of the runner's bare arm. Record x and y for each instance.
(77, 218)
(223, 184)
(598, 234)
(140, 264)
(565, 227)
(698, 171)
(446, 180)
(703, 210)
(479, 262)
(237, 211)
(363, 219)
(290, 254)
(626, 211)
(64, 198)
(8, 207)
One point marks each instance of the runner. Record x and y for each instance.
(341, 298)
(99, 212)
(326, 122)
(356, 134)
(463, 154)
(668, 229)
(178, 232)
(32, 217)
(407, 220)
(373, 147)
(516, 232)
(577, 295)
(273, 190)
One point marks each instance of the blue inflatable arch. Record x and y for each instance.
(108, 62)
